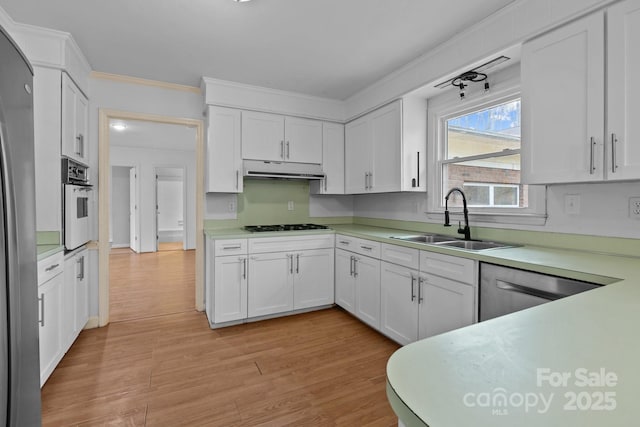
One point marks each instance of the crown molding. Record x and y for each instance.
(144, 82)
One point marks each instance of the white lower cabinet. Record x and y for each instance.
(270, 284)
(447, 305)
(345, 281)
(50, 299)
(259, 277)
(367, 273)
(313, 279)
(399, 303)
(358, 279)
(230, 292)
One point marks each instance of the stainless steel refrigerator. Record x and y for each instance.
(19, 353)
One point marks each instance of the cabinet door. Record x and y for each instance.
(50, 299)
(224, 159)
(271, 284)
(68, 305)
(75, 109)
(399, 302)
(345, 290)
(562, 104)
(332, 161)
(367, 273)
(262, 136)
(303, 140)
(81, 291)
(444, 305)
(386, 148)
(623, 105)
(357, 149)
(230, 288)
(313, 279)
(47, 103)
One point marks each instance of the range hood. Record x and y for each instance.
(283, 170)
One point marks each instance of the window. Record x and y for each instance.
(475, 145)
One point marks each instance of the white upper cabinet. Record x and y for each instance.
(385, 149)
(224, 158)
(47, 105)
(332, 160)
(623, 106)
(303, 140)
(262, 136)
(75, 122)
(564, 109)
(562, 104)
(273, 137)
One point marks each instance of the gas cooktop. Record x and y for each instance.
(284, 227)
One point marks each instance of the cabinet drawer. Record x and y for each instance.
(290, 243)
(346, 242)
(230, 247)
(450, 267)
(50, 267)
(400, 255)
(359, 246)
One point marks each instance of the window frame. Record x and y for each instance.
(448, 106)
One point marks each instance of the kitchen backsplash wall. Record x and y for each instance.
(266, 201)
(604, 210)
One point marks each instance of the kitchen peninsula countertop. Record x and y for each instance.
(45, 251)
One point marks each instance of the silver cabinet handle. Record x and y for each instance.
(54, 266)
(80, 145)
(244, 267)
(297, 263)
(413, 293)
(420, 282)
(282, 149)
(370, 180)
(237, 179)
(344, 242)
(325, 183)
(592, 165)
(614, 160)
(418, 171)
(291, 264)
(80, 261)
(227, 248)
(351, 266)
(355, 267)
(41, 301)
(369, 248)
(288, 152)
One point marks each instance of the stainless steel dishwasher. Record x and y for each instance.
(504, 290)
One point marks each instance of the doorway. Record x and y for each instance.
(170, 209)
(142, 160)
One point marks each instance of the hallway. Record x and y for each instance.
(150, 284)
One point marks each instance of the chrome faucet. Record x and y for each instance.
(466, 230)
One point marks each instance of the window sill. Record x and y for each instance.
(492, 218)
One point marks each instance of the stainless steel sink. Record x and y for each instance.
(474, 245)
(425, 238)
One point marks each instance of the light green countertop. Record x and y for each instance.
(45, 251)
(484, 374)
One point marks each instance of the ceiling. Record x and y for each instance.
(327, 48)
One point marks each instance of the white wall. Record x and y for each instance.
(147, 160)
(119, 213)
(170, 205)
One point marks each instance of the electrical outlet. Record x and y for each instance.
(634, 207)
(290, 205)
(572, 204)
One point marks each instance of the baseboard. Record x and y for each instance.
(92, 323)
(119, 245)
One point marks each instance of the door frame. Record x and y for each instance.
(105, 115)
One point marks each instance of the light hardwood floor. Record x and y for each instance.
(317, 369)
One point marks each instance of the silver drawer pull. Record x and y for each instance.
(369, 248)
(226, 248)
(41, 301)
(344, 242)
(54, 266)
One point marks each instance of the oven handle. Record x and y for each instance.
(513, 287)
